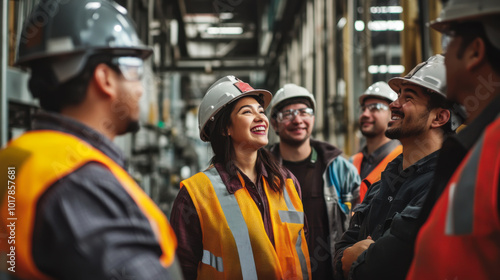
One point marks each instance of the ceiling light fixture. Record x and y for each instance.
(225, 30)
(386, 9)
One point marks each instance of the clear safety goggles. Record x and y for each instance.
(132, 68)
(374, 107)
(289, 115)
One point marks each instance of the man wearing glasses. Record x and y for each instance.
(73, 209)
(329, 183)
(379, 149)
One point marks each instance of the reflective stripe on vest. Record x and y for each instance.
(460, 212)
(235, 242)
(43, 157)
(236, 223)
(299, 219)
(212, 260)
(302, 258)
(291, 217)
(461, 237)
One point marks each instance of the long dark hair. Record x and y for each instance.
(224, 154)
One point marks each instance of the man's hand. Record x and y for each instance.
(352, 253)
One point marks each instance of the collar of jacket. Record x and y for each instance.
(423, 165)
(379, 154)
(58, 122)
(233, 183)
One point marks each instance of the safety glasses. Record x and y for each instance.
(132, 68)
(374, 107)
(289, 115)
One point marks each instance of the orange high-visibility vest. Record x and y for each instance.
(40, 159)
(461, 238)
(235, 243)
(376, 173)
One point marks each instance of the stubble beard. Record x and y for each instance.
(369, 134)
(294, 142)
(393, 133)
(399, 133)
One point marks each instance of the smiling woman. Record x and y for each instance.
(248, 129)
(238, 134)
(242, 218)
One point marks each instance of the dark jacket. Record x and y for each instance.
(90, 210)
(340, 180)
(389, 205)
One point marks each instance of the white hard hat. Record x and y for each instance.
(221, 93)
(289, 91)
(379, 90)
(430, 74)
(485, 11)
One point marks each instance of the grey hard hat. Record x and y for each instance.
(379, 90)
(289, 91)
(431, 75)
(221, 93)
(64, 33)
(485, 11)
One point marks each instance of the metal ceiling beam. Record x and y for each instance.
(225, 58)
(199, 69)
(221, 40)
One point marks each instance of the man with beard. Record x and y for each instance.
(329, 183)
(461, 237)
(81, 215)
(375, 245)
(379, 149)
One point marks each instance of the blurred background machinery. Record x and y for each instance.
(334, 48)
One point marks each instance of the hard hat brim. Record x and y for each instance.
(396, 82)
(443, 25)
(266, 96)
(142, 52)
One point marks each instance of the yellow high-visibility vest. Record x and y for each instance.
(235, 243)
(43, 157)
